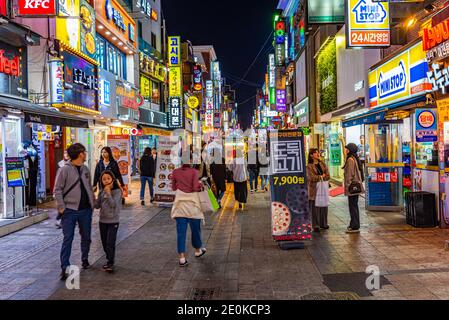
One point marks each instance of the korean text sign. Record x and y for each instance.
(426, 125)
(368, 23)
(289, 196)
(174, 51)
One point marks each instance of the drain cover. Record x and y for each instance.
(331, 296)
(202, 293)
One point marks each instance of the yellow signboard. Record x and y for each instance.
(174, 82)
(145, 89)
(68, 27)
(174, 51)
(443, 110)
(193, 102)
(368, 23)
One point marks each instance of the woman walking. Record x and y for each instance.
(218, 172)
(107, 162)
(187, 210)
(108, 201)
(316, 172)
(353, 180)
(240, 178)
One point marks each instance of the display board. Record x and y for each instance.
(163, 193)
(290, 218)
(15, 173)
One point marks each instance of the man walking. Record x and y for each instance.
(147, 167)
(75, 200)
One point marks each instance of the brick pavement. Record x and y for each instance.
(242, 261)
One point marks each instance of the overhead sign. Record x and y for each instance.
(153, 118)
(37, 7)
(426, 125)
(328, 11)
(400, 78)
(368, 23)
(174, 51)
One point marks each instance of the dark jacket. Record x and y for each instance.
(112, 166)
(218, 172)
(313, 177)
(147, 166)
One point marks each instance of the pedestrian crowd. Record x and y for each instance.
(76, 197)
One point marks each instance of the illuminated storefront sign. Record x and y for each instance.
(175, 113)
(88, 34)
(151, 67)
(368, 23)
(9, 66)
(281, 100)
(197, 78)
(272, 70)
(56, 69)
(80, 82)
(37, 7)
(128, 96)
(174, 81)
(209, 89)
(105, 89)
(402, 77)
(174, 51)
(68, 29)
(193, 102)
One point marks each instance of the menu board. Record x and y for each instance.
(165, 166)
(15, 172)
(120, 147)
(290, 218)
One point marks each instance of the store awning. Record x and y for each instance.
(378, 115)
(40, 114)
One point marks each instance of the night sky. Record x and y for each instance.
(237, 29)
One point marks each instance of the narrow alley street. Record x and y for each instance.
(242, 261)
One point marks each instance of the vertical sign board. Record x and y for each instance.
(120, 146)
(368, 23)
(174, 51)
(15, 172)
(426, 125)
(163, 192)
(290, 219)
(175, 113)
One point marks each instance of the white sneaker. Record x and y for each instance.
(58, 224)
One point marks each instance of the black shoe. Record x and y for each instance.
(183, 263)
(86, 264)
(240, 206)
(123, 200)
(152, 200)
(325, 228)
(63, 275)
(108, 267)
(142, 203)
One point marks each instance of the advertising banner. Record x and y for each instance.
(426, 125)
(443, 110)
(289, 198)
(329, 11)
(402, 77)
(80, 82)
(88, 34)
(327, 77)
(163, 192)
(120, 146)
(335, 149)
(368, 23)
(281, 100)
(68, 28)
(15, 173)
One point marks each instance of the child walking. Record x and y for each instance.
(109, 202)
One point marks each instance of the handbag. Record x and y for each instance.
(356, 187)
(322, 194)
(208, 201)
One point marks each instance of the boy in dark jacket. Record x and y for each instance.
(147, 167)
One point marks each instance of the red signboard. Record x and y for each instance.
(3, 10)
(433, 36)
(37, 7)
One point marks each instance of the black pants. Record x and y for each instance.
(108, 232)
(354, 212)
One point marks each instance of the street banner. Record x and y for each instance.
(15, 172)
(120, 146)
(163, 193)
(290, 219)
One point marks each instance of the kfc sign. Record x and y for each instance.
(37, 7)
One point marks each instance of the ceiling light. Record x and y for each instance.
(100, 26)
(108, 33)
(410, 22)
(114, 38)
(126, 48)
(130, 52)
(120, 43)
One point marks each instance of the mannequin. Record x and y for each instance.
(32, 167)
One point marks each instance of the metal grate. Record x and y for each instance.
(203, 293)
(332, 296)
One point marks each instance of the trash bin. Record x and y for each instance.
(420, 208)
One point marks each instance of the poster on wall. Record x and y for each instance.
(335, 149)
(15, 173)
(120, 147)
(87, 36)
(163, 193)
(426, 125)
(290, 219)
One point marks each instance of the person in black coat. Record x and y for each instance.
(218, 172)
(107, 162)
(147, 167)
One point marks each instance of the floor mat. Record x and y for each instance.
(351, 282)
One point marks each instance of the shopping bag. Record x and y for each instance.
(213, 201)
(322, 194)
(205, 201)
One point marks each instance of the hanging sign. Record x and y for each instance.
(174, 51)
(289, 196)
(197, 78)
(175, 113)
(426, 125)
(193, 102)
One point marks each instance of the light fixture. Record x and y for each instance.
(126, 48)
(114, 38)
(108, 32)
(100, 27)
(120, 43)
(410, 22)
(130, 52)
(29, 40)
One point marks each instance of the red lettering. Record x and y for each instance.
(10, 67)
(433, 36)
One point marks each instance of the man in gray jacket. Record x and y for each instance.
(75, 200)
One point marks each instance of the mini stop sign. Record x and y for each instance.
(37, 7)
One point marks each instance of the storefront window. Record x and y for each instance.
(155, 97)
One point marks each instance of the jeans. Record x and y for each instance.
(68, 222)
(108, 233)
(264, 181)
(354, 212)
(195, 228)
(253, 179)
(143, 181)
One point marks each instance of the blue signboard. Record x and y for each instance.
(426, 125)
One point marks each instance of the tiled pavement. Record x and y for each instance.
(242, 261)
